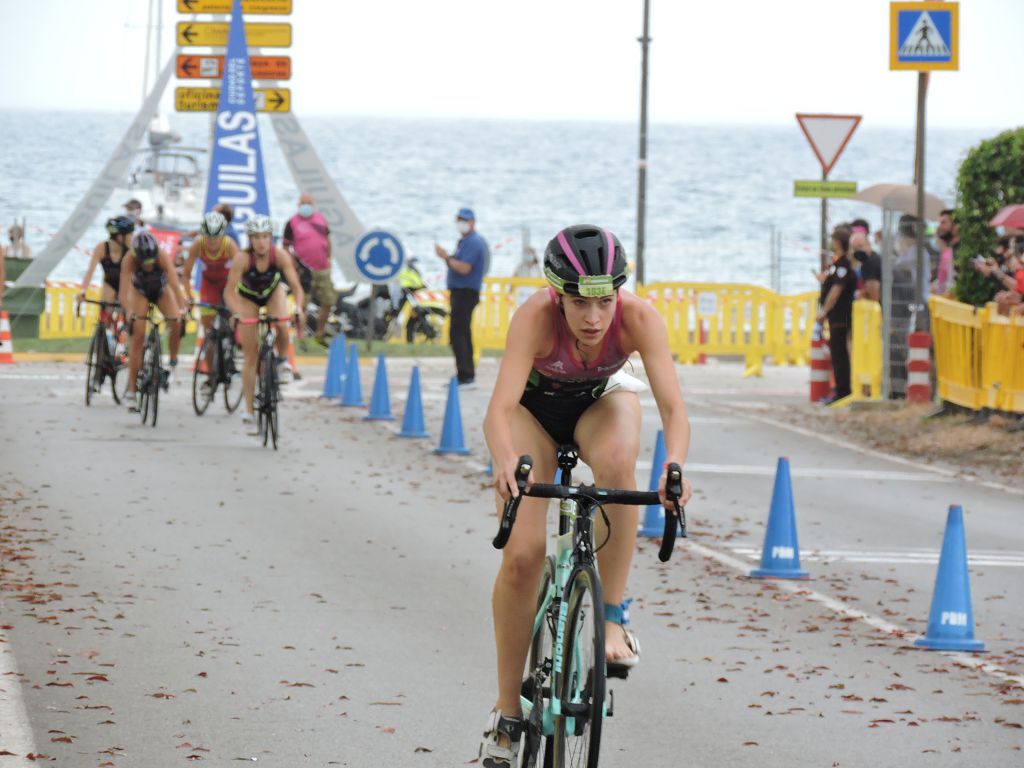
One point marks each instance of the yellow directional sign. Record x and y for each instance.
(215, 34)
(256, 7)
(207, 99)
(824, 188)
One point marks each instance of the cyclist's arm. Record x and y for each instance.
(127, 273)
(238, 266)
(292, 278)
(167, 264)
(646, 330)
(94, 260)
(190, 263)
(530, 327)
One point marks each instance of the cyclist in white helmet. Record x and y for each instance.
(257, 279)
(216, 251)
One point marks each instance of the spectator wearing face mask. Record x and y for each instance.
(466, 270)
(133, 208)
(307, 238)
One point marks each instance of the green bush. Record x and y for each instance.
(990, 177)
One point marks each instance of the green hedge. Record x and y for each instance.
(990, 177)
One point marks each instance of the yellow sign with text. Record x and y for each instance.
(255, 7)
(207, 99)
(215, 34)
(824, 188)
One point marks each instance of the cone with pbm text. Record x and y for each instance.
(6, 344)
(452, 440)
(951, 620)
(380, 402)
(412, 421)
(780, 557)
(654, 514)
(353, 394)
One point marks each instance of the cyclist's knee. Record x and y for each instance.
(615, 464)
(521, 565)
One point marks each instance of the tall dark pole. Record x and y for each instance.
(825, 258)
(641, 193)
(922, 264)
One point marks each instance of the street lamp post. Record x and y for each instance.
(641, 194)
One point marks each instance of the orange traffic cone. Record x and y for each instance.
(6, 345)
(291, 357)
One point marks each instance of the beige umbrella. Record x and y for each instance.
(902, 198)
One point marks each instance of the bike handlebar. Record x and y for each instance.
(673, 491)
(102, 305)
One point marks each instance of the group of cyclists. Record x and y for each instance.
(139, 274)
(560, 382)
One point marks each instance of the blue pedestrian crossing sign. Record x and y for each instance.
(379, 256)
(924, 36)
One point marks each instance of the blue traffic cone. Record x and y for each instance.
(412, 420)
(951, 620)
(780, 557)
(452, 440)
(353, 394)
(335, 368)
(380, 403)
(654, 514)
(490, 468)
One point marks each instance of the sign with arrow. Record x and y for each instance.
(828, 135)
(214, 34)
(206, 99)
(249, 7)
(196, 67)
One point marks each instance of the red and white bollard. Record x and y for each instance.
(821, 370)
(919, 367)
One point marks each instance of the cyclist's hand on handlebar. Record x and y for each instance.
(687, 491)
(505, 483)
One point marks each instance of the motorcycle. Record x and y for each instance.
(353, 308)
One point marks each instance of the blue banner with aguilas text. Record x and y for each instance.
(236, 163)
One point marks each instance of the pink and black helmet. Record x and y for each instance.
(585, 260)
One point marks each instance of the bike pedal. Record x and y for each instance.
(621, 673)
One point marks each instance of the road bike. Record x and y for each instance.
(217, 364)
(152, 375)
(106, 357)
(563, 691)
(268, 388)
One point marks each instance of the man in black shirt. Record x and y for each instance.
(870, 262)
(837, 291)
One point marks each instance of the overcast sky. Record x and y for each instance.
(732, 61)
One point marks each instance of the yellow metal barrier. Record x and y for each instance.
(866, 362)
(957, 334)
(58, 320)
(1002, 360)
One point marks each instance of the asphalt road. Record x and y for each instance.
(181, 594)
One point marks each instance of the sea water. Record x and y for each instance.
(714, 193)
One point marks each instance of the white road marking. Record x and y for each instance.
(800, 589)
(42, 376)
(14, 724)
(895, 557)
(806, 472)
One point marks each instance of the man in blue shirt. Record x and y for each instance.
(466, 270)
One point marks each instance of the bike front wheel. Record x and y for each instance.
(94, 365)
(231, 372)
(582, 682)
(202, 395)
(155, 375)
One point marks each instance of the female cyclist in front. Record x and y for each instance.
(257, 279)
(148, 277)
(563, 346)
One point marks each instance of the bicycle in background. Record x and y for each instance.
(217, 364)
(107, 355)
(563, 691)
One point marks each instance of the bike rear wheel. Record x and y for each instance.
(582, 682)
(201, 396)
(94, 365)
(272, 393)
(537, 748)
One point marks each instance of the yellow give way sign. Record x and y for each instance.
(256, 7)
(207, 99)
(215, 33)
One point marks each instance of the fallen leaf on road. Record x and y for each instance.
(423, 749)
(297, 685)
